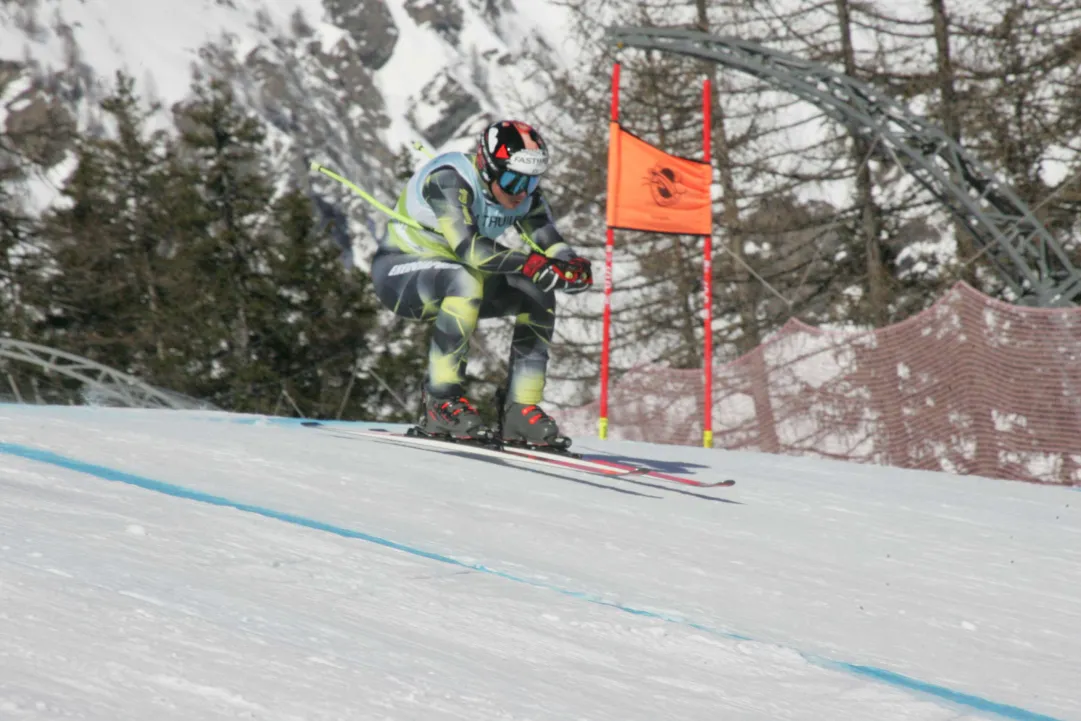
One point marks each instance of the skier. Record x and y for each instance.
(451, 270)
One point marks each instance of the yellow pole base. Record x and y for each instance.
(602, 429)
(707, 439)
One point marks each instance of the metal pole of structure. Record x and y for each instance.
(102, 382)
(293, 403)
(707, 280)
(1034, 265)
(388, 389)
(348, 391)
(609, 245)
(15, 389)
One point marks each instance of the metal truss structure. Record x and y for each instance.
(104, 385)
(1021, 249)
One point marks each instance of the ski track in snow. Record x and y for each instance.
(407, 584)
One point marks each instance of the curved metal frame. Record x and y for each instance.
(1022, 250)
(111, 385)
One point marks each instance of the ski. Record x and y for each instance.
(481, 448)
(595, 464)
(648, 472)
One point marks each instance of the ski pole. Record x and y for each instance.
(374, 202)
(417, 145)
(395, 215)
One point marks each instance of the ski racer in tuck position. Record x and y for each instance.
(454, 272)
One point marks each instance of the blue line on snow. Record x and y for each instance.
(878, 674)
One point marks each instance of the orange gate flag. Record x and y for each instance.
(648, 189)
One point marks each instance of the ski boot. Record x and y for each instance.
(525, 424)
(454, 417)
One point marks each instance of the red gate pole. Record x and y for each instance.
(609, 243)
(707, 282)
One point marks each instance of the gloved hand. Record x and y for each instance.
(584, 271)
(572, 276)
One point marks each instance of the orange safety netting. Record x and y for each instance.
(971, 385)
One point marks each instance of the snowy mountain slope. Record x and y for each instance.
(213, 566)
(348, 82)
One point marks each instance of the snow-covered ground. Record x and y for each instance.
(166, 565)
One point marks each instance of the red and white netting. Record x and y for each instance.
(971, 385)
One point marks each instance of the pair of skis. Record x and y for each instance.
(597, 464)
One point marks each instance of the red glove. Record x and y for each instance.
(584, 272)
(549, 274)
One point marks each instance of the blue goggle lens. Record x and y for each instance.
(515, 183)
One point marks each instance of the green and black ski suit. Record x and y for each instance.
(455, 272)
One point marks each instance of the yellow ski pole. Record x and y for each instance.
(421, 147)
(352, 186)
(393, 214)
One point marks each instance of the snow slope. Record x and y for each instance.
(171, 565)
(306, 67)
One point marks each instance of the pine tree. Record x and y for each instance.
(19, 255)
(230, 258)
(20, 259)
(110, 248)
(286, 324)
(323, 314)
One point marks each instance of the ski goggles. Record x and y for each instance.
(515, 183)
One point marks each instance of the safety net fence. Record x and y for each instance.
(970, 385)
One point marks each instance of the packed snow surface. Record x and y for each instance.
(168, 565)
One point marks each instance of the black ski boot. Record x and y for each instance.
(453, 416)
(526, 424)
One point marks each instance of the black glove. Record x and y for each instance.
(572, 276)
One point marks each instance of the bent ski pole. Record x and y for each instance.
(366, 196)
(417, 145)
(394, 214)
